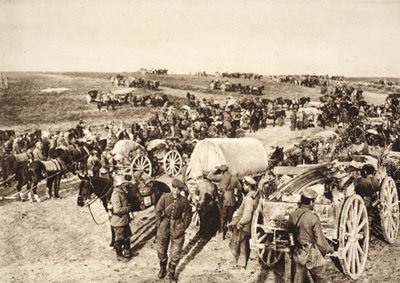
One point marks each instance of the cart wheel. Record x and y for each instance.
(353, 236)
(268, 258)
(389, 211)
(143, 163)
(173, 163)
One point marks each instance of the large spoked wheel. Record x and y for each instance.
(268, 258)
(173, 163)
(142, 163)
(389, 210)
(353, 236)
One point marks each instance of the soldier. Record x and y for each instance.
(240, 241)
(309, 239)
(293, 120)
(119, 208)
(367, 187)
(207, 206)
(228, 186)
(173, 216)
(38, 152)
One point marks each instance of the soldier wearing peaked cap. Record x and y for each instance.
(310, 243)
(173, 216)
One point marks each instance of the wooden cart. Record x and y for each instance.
(344, 218)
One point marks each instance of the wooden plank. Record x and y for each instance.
(289, 170)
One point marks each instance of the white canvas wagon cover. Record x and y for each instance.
(124, 147)
(244, 156)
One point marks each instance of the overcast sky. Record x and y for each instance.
(352, 38)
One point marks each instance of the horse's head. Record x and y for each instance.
(85, 190)
(276, 157)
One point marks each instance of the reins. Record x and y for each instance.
(95, 199)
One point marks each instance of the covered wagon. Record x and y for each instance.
(244, 156)
(342, 212)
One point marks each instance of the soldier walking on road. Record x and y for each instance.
(173, 216)
(310, 243)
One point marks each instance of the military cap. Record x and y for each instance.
(309, 193)
(118, 180)
(223, 168)
(368, 169)
(249, 180)
(178, 184)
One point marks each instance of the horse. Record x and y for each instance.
(276, 157)
(103, 188)
(51, 170)
(304, 100)
(18, 165)
(275, 115)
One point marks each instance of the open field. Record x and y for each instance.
(56, 241)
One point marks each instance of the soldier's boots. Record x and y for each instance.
(118, 250)
(163, 269)
(171, 273)
(127, 249)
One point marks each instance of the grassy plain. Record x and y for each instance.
(23, 106)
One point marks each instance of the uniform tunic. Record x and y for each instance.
(173, 216)
(120, 214)
(308, 232)
(240, 240)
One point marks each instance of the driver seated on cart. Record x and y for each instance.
(310, 243)
(367, 187)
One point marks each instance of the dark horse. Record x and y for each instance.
(51, 171)
(18, 165)
(103, 188)
(275, 115)
(276, 157)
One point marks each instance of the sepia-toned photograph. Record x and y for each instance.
(200, 141)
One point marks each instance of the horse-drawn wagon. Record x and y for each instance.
(243, 156)
(342, 212)
(165, 152)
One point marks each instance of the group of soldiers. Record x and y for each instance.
(173, 214)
